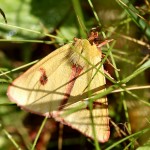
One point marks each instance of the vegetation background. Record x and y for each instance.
(35, 28)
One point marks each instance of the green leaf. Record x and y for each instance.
(144, 147)
(34, 15)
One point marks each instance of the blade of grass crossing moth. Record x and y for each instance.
(58, 83)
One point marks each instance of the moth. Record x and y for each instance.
(62, 85)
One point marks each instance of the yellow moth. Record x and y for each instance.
(62, 84)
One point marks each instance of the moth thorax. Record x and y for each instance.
(78, 59)
(82, 53)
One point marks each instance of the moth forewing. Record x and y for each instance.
(29, 93)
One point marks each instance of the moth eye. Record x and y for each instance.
(43, 78)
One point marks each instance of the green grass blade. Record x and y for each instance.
(134, 14)
(137, 134)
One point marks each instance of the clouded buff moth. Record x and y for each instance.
(61, 85)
